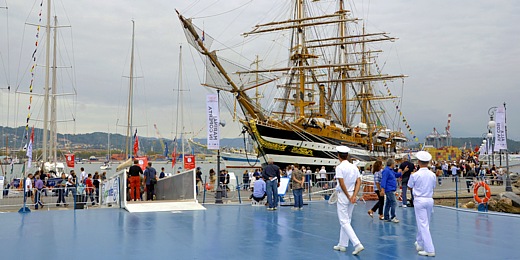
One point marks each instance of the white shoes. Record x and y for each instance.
(404, 206)
(340, 248)
(395, 220)
(358, 249)
(418, 247)
(424, 253)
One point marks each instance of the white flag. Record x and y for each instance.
(29, 149)
(213, 121)
(500, 131)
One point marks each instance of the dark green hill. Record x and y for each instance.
(99, 140)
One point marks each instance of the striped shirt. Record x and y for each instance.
(377, 178)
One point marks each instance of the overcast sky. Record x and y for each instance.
(462, 57)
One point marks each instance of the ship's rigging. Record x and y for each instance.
(327, 92)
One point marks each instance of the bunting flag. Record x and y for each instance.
(136, 143)
(32, 71)
(408, 127)
(30, 148)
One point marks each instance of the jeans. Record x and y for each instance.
(390, 205)
(61, 196)
(37, 198)
(404, 189)
(150, 190)
(380, 203)
(298, 198)
(272, 193)
(469, 182)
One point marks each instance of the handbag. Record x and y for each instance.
(153, 181)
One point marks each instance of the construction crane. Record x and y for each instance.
(447, 135)
(161, 141)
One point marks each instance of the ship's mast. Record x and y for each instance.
(46, 86)
(53, 122)
(343, 60)
(130, 97)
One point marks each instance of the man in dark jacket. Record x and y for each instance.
(406, 168)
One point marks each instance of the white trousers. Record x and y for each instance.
(346, 232)
(423, 210)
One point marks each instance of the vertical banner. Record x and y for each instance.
(500, 131)
(143, 162)
(213, 122)
(69, 158)
(189, 162)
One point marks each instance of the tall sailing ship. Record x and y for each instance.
(330, 92)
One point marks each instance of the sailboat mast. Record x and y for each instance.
(181, 99)
(46, 86)
(53, 126)
(130, 97)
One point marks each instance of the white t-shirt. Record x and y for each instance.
(323, 173)
(349, 173)
(83, 176)
(28, 184)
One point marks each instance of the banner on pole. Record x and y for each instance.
(69, 158)
(213, 122)
(189, 161)
(500, 131)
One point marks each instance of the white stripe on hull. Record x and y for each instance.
(355, 152)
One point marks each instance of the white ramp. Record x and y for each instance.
(158, 206)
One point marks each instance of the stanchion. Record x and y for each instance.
(24, 209)
(456, 191)
(218, 195)
(204, 187)
(238, 190)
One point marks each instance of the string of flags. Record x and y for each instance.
(32, 71)
(408, 127)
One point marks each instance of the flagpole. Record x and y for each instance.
(508, 178)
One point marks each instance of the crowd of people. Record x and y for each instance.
(44, 184)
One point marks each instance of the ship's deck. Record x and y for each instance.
(247, 232)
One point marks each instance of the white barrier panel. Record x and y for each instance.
(111, 191)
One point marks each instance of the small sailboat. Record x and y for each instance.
(106, 165)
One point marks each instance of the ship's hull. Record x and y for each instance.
(240, 160)
(287, 147)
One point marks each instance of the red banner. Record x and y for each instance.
(136, 145)
(143, 162)
(189, 162)
(69, 158)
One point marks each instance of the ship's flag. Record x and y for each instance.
(29, 149)
(136, 143)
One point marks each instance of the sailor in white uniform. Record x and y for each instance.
(348, 182)
(422, 184)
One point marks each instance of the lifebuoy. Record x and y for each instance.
(487, 195)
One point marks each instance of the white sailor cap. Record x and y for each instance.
(423, 156)
(342, 149)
